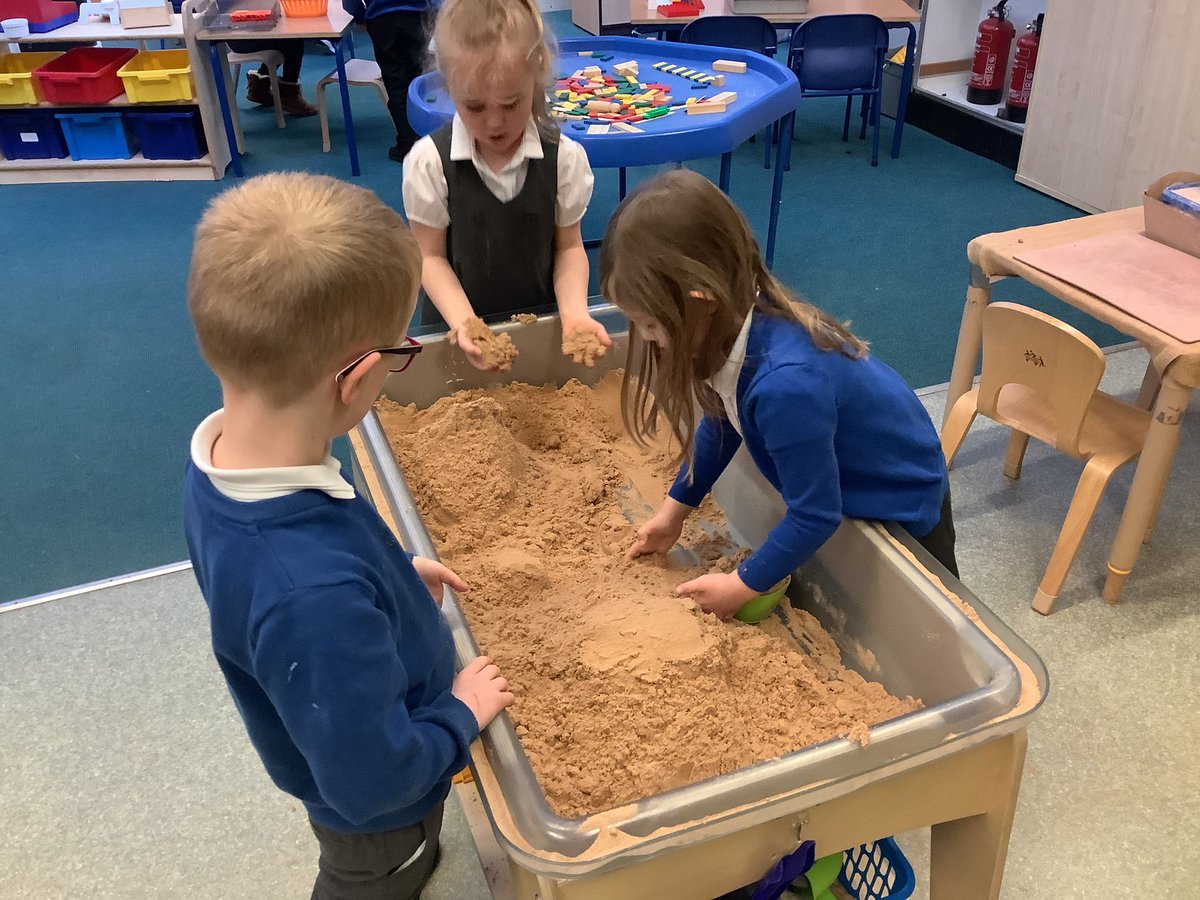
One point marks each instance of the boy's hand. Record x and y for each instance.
(720, 594)
(434, 574)
(483, 689)
(661, 531)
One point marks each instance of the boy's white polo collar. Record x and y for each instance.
(264, 484)
(462, 147)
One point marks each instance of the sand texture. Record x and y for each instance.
(623, 689)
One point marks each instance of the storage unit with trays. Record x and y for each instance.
(108, 113)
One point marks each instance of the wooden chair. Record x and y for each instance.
(1041, 377)
(358, 71)
(272, 59)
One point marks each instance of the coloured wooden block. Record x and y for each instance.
(729, 65)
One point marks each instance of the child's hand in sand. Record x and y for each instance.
(661, 531)
(434, 574)
(473, 353)
(584, 339)
(483, 690)
(719, 594)
(485, 349)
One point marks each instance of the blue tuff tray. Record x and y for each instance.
(766, 92)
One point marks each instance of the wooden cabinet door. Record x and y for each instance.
(1086, 94)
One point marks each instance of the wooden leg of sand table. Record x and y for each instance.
(967, 856)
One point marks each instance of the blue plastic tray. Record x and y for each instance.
(766, 92)
(168, 135)
(31, 134)
(96, 135)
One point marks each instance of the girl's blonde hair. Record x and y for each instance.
(474, 38)
(679, 253)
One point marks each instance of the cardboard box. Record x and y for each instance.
(145, 13)
(1167, 224)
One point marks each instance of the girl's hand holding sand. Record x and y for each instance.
(719, 594)
(483, 690)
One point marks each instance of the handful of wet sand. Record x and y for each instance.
(498, 349)
(583, 347)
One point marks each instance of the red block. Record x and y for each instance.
(678, 11)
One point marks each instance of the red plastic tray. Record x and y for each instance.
(85, 76)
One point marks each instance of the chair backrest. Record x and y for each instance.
(836, 53)
(1060, 364)
(751, 33)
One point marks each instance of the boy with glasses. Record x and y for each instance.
(328, 635)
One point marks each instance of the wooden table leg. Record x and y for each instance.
(967, 856)
(970, 338)
(1145, 493)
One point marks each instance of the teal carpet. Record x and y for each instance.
(102, 383)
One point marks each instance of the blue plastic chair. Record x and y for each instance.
(751, 33)
(836, 56)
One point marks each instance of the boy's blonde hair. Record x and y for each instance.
(651, 266)
(290, 272)
(473, 39)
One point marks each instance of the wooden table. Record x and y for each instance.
(334, 27)
(894, 13)
(1173, 374)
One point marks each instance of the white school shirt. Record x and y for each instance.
(425, 183)
(725, 380)
(264, 484)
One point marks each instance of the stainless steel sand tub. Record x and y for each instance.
(898, 617)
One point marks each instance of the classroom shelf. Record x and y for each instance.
(136, 168)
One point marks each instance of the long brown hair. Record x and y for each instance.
(678, 252)
(472, 37)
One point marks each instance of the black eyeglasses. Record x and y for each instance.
(405, 352)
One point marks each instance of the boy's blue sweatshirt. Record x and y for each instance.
(835, 436)
(373, 9)
(337, 657)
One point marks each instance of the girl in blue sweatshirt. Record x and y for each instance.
(834, 430)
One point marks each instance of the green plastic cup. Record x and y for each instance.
(763, 605)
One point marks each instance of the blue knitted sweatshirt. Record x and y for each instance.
(338, 659)
(835, 436)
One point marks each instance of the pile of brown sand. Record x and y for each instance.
(583, 347)
(499, 351)
(623, 689)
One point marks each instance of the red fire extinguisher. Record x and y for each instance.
(992, 47)
(1017, 105)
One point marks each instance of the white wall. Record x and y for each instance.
(951, 25)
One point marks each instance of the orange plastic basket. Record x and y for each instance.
(305, 9)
